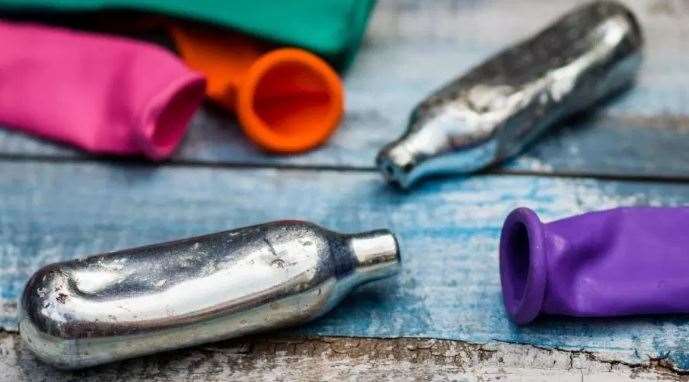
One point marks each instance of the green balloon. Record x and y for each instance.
(330, 28)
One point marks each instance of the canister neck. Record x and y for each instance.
(376, 255)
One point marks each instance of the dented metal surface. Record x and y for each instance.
(144, 300)
(500, 106)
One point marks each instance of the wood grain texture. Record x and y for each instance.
(342, 359)
(413, 47)
(449, 286)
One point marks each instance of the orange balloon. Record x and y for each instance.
(287, 100)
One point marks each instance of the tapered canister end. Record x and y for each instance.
(415, 156)
(523, 272)
(376, 255)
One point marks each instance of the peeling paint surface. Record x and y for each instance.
(336, 359)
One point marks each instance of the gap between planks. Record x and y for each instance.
(495, 170)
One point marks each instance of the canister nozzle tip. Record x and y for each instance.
(376, 253)
(396, 164)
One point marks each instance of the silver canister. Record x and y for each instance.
(140, 301)
(496, 109)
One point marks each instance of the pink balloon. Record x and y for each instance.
(104, 94)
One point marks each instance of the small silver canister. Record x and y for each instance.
(496, 109)
(160, 297)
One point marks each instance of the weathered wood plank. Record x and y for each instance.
(338, 359)
(449, 285)
(413, 47)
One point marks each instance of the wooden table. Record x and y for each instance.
(442, 318)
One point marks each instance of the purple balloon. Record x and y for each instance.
(618, 262)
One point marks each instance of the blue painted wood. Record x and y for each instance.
(448, 230)
(412, 48)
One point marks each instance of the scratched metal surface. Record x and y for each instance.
(55, 203)
(419, 47)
